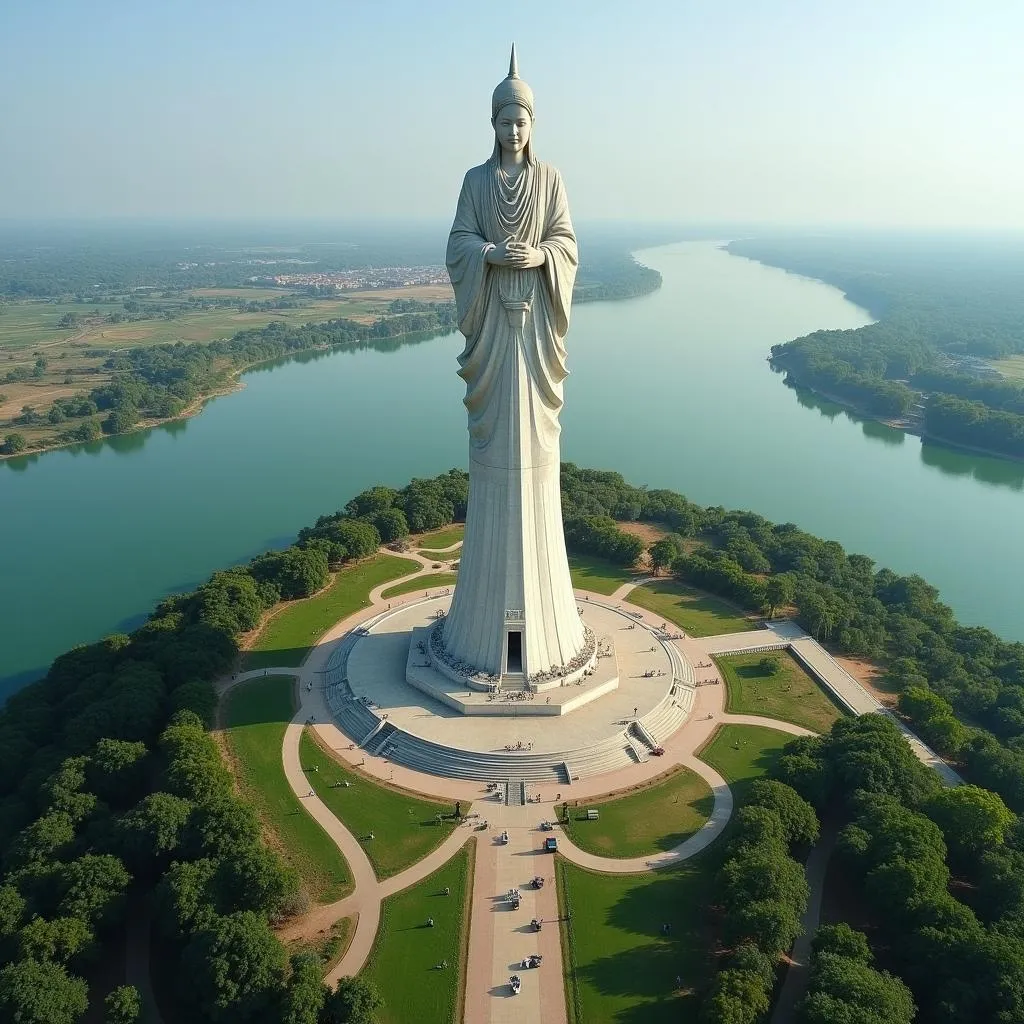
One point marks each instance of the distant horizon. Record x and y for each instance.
(791, 113)
(290, 222)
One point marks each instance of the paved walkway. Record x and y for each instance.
(497, 941)
(795, 983)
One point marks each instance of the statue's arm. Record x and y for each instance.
(467, 258)
(560, 252)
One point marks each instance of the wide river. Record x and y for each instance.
(672, 390)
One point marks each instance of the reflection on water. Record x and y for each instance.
(984, 469)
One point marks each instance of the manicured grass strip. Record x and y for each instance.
(791, 694)
(654, 818)
(431, 581)
(743, 753)
(256, 714)
(404, 959)
(597, 575)
(288, 636)
(438, 540)
(620, 964)
(699, 614)
(404, 826)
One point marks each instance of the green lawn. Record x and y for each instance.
(404, 826)
(438, 540)
(1011, 366)
(431, 581)
(699, 614)
(654, 818)
(620, 968)
(406, 953)
(597, 575)
(791, 694)
(288, 636)
(743, 753)
(255, 716)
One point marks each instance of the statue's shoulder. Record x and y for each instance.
(479, 173)
(549, 175)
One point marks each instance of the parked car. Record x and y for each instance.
(551, 844)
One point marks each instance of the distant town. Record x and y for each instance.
(351, 280)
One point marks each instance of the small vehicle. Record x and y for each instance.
(536, 924)
(515, 983)
(503, 838)
(551, 845)
(538, 882)
(658, 751)
(546, 826)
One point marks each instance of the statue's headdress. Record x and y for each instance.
(512, 90)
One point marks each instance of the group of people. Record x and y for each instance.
(519, 745)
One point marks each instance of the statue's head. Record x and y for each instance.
(512, 113)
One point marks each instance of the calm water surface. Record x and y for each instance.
(672, 390)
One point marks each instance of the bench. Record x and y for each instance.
(593, 814)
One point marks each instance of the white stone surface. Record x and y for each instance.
(377, 665)
(512, 260)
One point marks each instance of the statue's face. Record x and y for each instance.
(512, 127)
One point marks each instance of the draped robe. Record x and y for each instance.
(513, 572)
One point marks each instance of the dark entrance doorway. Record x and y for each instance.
(514, 661)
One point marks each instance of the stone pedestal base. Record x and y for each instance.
(475, 696)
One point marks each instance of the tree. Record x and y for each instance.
(840, 940)
(121, 419)
(844, 989)
(184, 897)
(68, 320)
(235, 967)
(254, 878)
(778, 591)
(391, 524)
(305, 993)
(972, 819)
(14, 443)
(798, 817)
(152, 831)
(665, 551)
(41, 992)
(93, 888)
(57, 940)
(123, 1006)
(12, 910)
(354, 1001)
(737, 997)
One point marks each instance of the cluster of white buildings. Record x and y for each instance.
(374, 277)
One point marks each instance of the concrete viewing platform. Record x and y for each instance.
(386, 679)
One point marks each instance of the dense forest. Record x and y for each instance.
(945, 305)
(113, 794)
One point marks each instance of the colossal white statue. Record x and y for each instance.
(512, 261)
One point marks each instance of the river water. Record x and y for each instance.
(672, 390)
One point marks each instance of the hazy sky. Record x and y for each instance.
(905, 112)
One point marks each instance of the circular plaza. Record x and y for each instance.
(387, 697)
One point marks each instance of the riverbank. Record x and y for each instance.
(908, 426)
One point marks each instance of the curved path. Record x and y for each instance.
(495, 948)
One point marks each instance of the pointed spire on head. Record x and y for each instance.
(512, 89)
